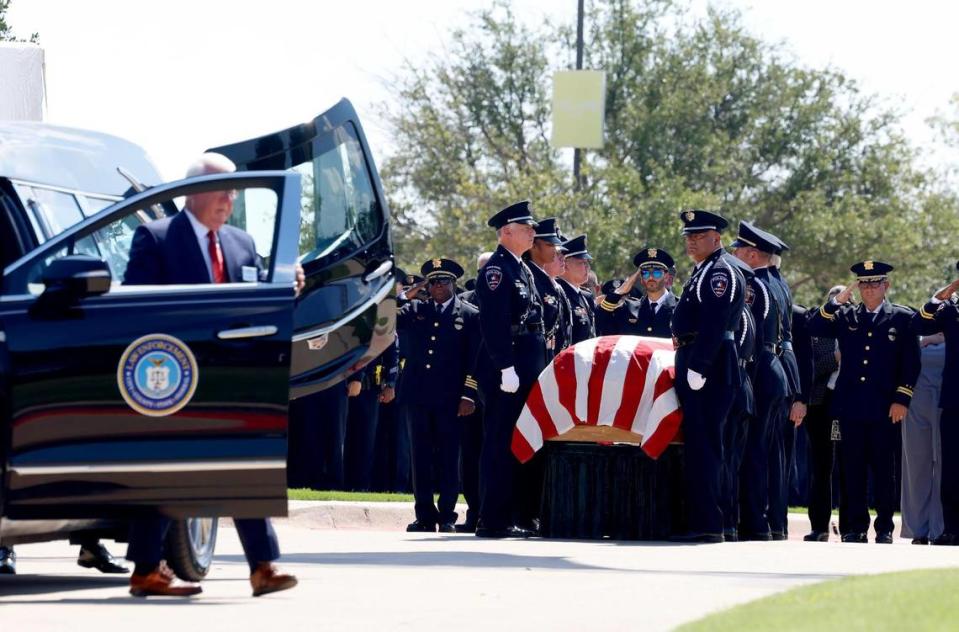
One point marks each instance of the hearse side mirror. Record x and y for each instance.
(73, 277)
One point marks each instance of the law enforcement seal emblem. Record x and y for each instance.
(157, 375)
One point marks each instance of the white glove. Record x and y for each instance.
(695, 380)
(509, 382)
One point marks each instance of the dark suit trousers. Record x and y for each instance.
(867, 445)
(435, 440)
(735, 434)
(360, 445)
(147, 537)
(818, 425)
(497, 463)
(949, 438)
(471, 443)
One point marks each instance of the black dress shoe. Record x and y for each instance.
(946, 539)
(745, 536)
(922, 540)
(97, 556)
(488, 532)
(884, 538)
(857, 538)
(730, 535)
(466, 527)
(778, 536)
(697, 538)
(421, 527)
(520, 532)
(447, 527)
(816, 536)
(8, 561)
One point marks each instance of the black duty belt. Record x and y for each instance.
(688, 339)
(527, 329)
(772, 346)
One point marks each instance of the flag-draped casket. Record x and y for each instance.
(625, 382)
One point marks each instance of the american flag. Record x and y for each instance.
(620, 381)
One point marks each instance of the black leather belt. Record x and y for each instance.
(688, 339)
(527, 329)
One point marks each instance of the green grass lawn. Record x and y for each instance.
(912, 600)
(363, 497)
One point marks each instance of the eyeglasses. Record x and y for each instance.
(656, 273)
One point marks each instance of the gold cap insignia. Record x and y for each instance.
(690, 216)
(867, 265)
(437, 264)
(651, 253)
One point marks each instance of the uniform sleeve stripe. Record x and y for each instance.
(925, 314)
(608, 306)
(825, 314)
(904, 390)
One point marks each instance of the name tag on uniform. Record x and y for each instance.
(248, 273)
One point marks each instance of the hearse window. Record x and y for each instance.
(59, 210)
(340, 212)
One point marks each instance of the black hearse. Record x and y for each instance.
(120, 400)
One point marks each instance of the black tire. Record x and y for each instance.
(189, 547)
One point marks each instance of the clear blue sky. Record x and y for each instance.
(179, 76)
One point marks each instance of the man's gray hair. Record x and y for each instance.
(210, 163)
(775, 261)
(483, 258)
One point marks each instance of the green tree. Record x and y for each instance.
(6, 31)
(699, 112)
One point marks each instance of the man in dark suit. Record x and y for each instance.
(444, 339)
(619, 313)
(196, 246)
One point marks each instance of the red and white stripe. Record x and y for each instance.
(620, 381)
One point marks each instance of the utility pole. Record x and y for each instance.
(577, 152)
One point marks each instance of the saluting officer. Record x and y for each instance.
(619, 313)
(941, 314)
(764, 438)
(572, 281)
(511, 321)
(444, 338)
(707, 367)
(880, 363)
(546, 260)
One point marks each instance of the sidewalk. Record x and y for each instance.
(394, 516)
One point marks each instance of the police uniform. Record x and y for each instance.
(557, 312)
(619, 314)
(934, 317)
(511, 322)
(742, 413)
(759, 501)
(704, 321)
(580, 300)
(879, 367)
(438, 374)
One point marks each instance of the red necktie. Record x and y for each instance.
(216, 259)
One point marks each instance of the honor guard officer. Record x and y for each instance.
(880, 363)
(764, 440)
(707, 367)
(546, 261)
(618, 313)
(941, 314)
(572, 280)
(444, 338)
(511, 321)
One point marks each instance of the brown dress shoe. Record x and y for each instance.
(161, 582)
(267, 579)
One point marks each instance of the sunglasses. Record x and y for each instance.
(441, 281)
(656, 273)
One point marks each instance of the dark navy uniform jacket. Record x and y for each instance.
(583, 321)
(768, 376)
(511, 319)
(557, 311)
(442, 347)
(625, 315)
(802, 346)
(746, 349)
(383, 371)
(707, 315)
(944, 317)
(879, 358)
(783, 296)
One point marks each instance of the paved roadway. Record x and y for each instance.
(389, 580)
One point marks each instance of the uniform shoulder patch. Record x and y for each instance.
(719, 283)
(493, 276)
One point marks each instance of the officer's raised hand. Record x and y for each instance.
(695, 380)
(946, 293)
(414, 290)
(846, 295)
(509, 381)
(897, 412)
(627, 285)
(466, 408)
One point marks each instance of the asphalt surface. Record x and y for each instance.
(390, 580)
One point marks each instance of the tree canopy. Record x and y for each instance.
(699, 113)
(6, 31)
